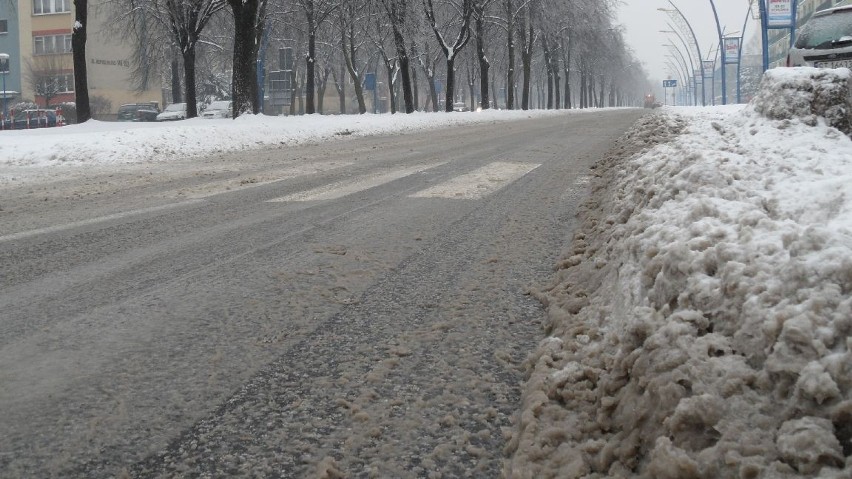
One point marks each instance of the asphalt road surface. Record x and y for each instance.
(351, 309)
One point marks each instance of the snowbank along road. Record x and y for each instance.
(354, 309)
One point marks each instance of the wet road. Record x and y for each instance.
(352, 309)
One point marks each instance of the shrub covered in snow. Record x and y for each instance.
(701, 321)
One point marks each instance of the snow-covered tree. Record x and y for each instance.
(451, 20)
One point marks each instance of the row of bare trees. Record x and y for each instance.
(570, 52)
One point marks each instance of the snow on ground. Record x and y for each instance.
(99, 143)
(701, 321)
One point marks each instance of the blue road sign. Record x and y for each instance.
(669, 83)
(370, 82)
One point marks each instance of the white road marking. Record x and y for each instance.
(347, 187)
(207, 190)
(93, 221)
(478, 183)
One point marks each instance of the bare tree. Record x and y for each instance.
(397, 12)
(458, 15)
(186, 21)
(479, 9)
(316, 12)
(348, 20)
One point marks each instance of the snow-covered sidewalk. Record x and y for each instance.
(98, 143)
(701, 322)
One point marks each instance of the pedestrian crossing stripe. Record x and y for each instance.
(355, 185)
(478, 183)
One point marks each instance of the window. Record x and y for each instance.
(51, 44)
(45, 7)
(4, 26)
(55, 85)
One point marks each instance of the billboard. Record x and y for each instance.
(732, 49)
(779, 13)
(708, 66)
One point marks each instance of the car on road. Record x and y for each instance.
(460, 106)
(146, 111)
(825, 41)
(29, 119)
(175, 111)
(218, 109)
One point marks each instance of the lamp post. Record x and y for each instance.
(722, 53)
(4, 70)
(694, 40)
(686, 66)
(691, 63)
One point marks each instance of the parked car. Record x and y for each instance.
(460, 106)
(29, 119)
(825, 41)
(146, 111)
(218, 109)
(175, 111)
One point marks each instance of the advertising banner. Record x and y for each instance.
(779, 13)
(708, 66)
(732, 49)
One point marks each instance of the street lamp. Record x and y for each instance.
(691, 63)
(4, 70)
(682, 17)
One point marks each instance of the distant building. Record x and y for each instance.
(37, 36)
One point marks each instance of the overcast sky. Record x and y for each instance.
(643, 22)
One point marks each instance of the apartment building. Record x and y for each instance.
(36, 34)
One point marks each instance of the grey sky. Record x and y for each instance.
(643, 22)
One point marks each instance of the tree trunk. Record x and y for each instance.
(391, 95)
(177, 94)
(248, 27)
(310, 59)
(510, 70)
(349, 55)
(548, 64)
(484, 64)
(189, 81)
(415, 88)
(78, 45)
(525, 89)
(321, 86)
(404, 69)
(433, 93)
(451, 85)
(340, 86)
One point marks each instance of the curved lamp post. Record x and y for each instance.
(722, 52)
(691, 62)
(695, 43)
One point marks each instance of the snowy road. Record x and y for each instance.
(352, 309)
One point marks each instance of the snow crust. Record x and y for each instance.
(701, 320)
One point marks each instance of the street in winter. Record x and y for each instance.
(385, 239)
(367, 304)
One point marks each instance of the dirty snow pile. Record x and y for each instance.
(701, 322)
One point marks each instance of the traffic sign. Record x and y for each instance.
(669, 83)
